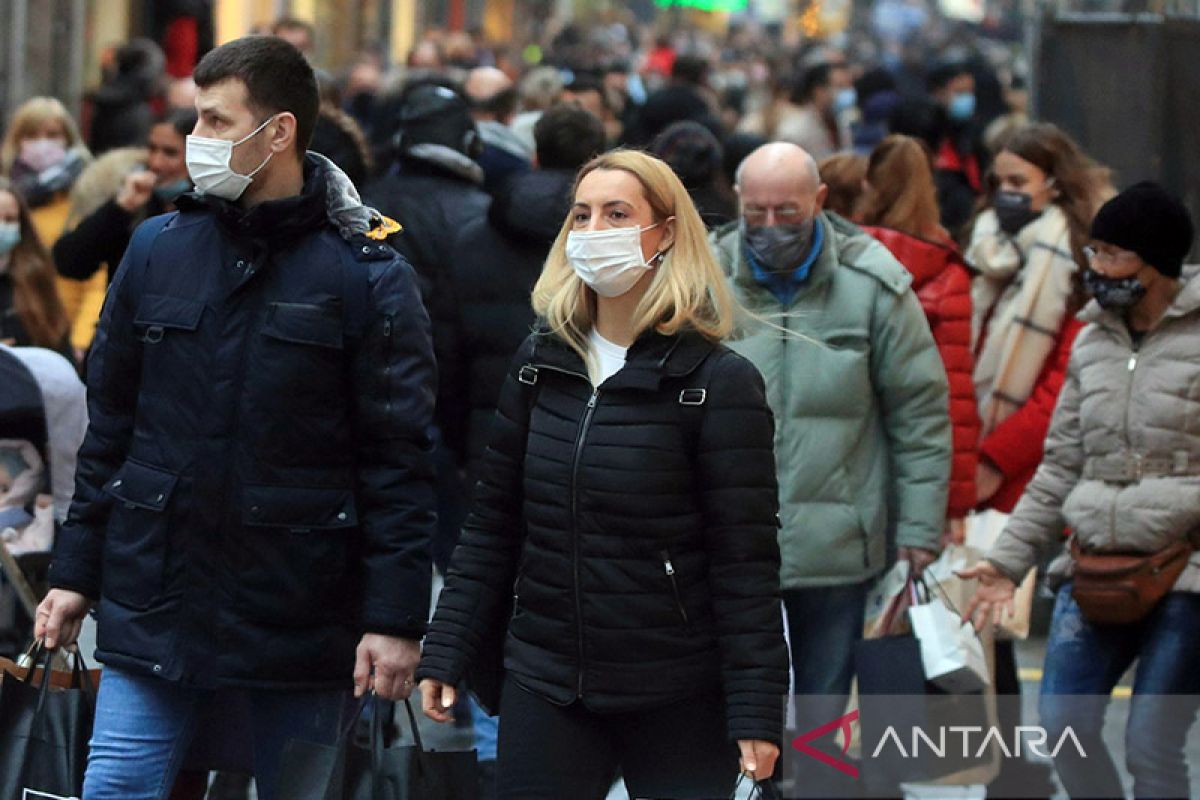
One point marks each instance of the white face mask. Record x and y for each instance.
(610, 261)
(208, 164)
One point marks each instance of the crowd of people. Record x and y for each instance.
(631, 340)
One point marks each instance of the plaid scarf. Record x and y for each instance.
(1020, 300)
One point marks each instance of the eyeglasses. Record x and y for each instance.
(787, 215)
(1104, 257)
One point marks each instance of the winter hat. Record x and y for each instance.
(1150, 221)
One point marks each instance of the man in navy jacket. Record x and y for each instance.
(254, 500)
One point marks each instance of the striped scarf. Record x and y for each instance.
(1021, 295)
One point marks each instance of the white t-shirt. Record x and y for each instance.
(605, 359)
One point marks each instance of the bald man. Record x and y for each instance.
(493, 98)
(861, 407)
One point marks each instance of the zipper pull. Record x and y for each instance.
(387, 326)
(592, 399)
(1133, 362)
(667, 565)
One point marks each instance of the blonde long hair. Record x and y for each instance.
(688, 290)
(29, 117)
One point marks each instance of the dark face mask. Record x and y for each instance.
(1114, 294)
(1014, 211)
(780, 248)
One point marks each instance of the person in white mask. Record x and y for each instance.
(627, 500)
(254, 497)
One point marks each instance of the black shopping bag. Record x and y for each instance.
(346, 771)
(44, 731)
(906, 723)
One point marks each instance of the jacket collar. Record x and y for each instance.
(274, 223)
(652, 358)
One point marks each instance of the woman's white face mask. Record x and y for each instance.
(610, 261)
(209, 168)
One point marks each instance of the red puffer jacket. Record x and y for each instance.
(1015, 446)
(943, 286)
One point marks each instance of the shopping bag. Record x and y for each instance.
(346, 771)
(951, 651)
(44, 731)
(983, 528)
(887, 602)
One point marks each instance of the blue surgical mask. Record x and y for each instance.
(962, 106)
(845, 99)
(10, 236)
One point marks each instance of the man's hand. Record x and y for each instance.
(758, 758)
(59, 617)
(385, 664)
(136, 190)
(437, 700)
(993, 597)
(918, 558)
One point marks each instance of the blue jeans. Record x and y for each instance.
(1084, 661)
(146, 729)
(824, 624)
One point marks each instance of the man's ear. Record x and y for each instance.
(822, 193)
(284, 136)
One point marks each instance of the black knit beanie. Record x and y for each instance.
(1150, 221)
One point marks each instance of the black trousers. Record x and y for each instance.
(552, 752)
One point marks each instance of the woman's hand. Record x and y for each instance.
(437, 699)
(993, 598)
(758, 758)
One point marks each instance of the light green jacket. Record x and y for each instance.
(862, 425)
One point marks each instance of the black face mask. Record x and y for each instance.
(1114, 294)
(1014, 211)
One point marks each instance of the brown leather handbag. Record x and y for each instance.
(1120, 588)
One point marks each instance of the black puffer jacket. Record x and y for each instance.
(496, 262)
(648, 568)
(255, 489)
(434, 198)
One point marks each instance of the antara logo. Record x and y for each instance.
(801, 743)
(1037, 737)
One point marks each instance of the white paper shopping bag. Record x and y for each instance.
(950, 651)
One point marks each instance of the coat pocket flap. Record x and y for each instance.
(142, 486)
(304, 324)
(157, 310)
(298, 508)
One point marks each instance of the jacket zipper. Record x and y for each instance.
(1131, 368)
(387, 363)
(669, 568)
(579, 440)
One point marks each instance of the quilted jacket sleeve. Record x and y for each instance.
(952, 331)
(1037, 521)
(114, 375)
(395, 379)
(481, 574)
(739, 497)
(910, 382)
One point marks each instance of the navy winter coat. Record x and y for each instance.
(255, 490)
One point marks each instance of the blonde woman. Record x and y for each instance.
(43, 154)
(626, 507)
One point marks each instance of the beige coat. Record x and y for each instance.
(1122, 459)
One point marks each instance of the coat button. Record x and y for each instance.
(158, 667)
(366, 249)
(240, 264)
(342, 515)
